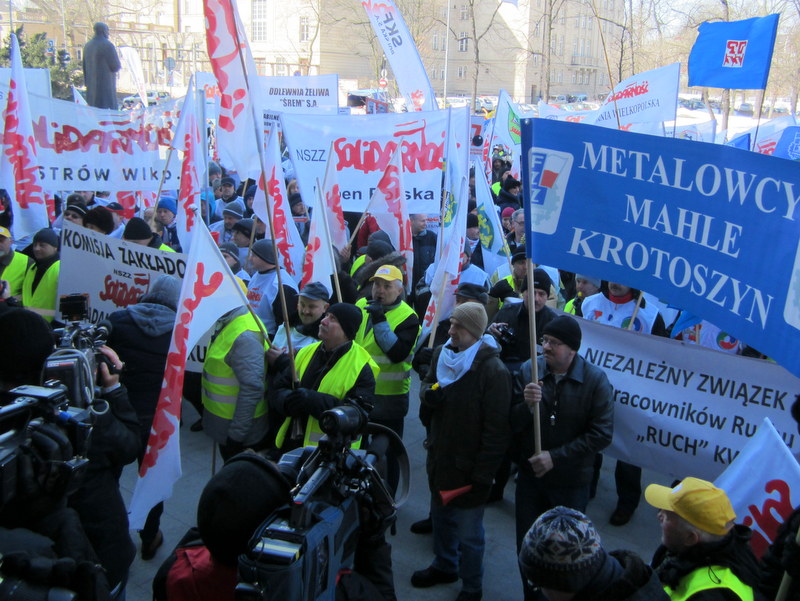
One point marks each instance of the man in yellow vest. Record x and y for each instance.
(233, 384)
(13, 265)
(138, 232)
(703, 556)
(330, 372)
(389, 331)
(40, 286)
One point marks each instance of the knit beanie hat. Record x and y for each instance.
(264, 250)
(377, 249)
(251, 192)
(137, 229)
(593, 281)
(228, 180)
(349, 318)
(46, 236)
(101, 218)
(235, 501)
(78, 208)
(28, 341)
(510, 182)
(566, 329)
(235, 208)
(295, 198)
(166, 290)
(472, 316)
(472, 220)
(561, 551)
(168, 203)
(245, 226)
(541, 281)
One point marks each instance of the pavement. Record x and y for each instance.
(411, 552)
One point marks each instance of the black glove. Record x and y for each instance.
(433, 397)
(424, 355)
(299, 403)
(790, 558)
(376, 311)
(233, 446)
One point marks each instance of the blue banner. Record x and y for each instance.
(733, 54)
(705, 227)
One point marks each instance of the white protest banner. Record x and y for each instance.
(363, 145)
(114, 273)
(682, 410)
(301, 93)
(763, 484)
(86, 148)
(38, 81)
(399, 47)
(647, 96)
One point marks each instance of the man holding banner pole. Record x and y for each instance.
(556, 457)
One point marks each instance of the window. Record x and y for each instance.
(305, 29)
(462, 72)
(281, 68)
(536, 31)
(464, 12)
(435, 41)
(463, 42)
(433, 73)
(441, 74)
(535, 60)
(574, 77)
(259, 20)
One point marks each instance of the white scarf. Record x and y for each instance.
(452, 364)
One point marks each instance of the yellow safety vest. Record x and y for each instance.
(359, 261)
(43, 300)
(166, 248)
(394, 378)
(14, 273)
(220, 386)
(708, 577)
(570, 306)
(510, 280)
(337, 382)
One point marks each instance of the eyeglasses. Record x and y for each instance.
(551, 342)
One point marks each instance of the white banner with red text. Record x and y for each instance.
(363, 145)
(115, 274)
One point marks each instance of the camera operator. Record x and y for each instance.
(232, 506)
(42, 542)
(330, 371)
(114, 439)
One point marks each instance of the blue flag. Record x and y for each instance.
(734, 55)
(706, 227)
(742, 142)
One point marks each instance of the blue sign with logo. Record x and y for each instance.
(708, 228)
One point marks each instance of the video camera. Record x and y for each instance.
(75, 360)
(299, 551)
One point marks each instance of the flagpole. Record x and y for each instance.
(636, 310)
(359, 224)
(164, 173)
(537, 427)
(262, 159)
(324, 219)
(758, 121)
(436, 317)
(605, 54)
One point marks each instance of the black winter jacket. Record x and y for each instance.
(468, 426)
(577, 421)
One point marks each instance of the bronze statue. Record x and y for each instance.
(100, 65)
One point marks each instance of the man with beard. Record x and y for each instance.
(312, 303)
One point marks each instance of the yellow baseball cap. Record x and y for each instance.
(4, 232)
(388, 273)
(698, 502)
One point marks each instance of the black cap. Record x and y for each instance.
(295, 198)
(541, 280)
(566, 329)
(474, 292)
(472, 220)
(264, 250)
(245, 226)
(137, 229)
(46, 236)
(227, 180)
(315, 291)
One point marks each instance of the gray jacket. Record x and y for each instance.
(246, 359)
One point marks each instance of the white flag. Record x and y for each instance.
(19, 173)
(318, 264)
(388, 207)
(287, 238)
(399, 47)
(496, 253)
(645, 97)
(763, 485)
(332, 194)
(208, 292)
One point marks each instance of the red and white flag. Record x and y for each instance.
(208, 292)
(763, 485)
(19, 168)
(318, 265)
(388, 207)
(337, 227)
(448, 269)
(187, 139)
(287, 237)
(234, 67)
